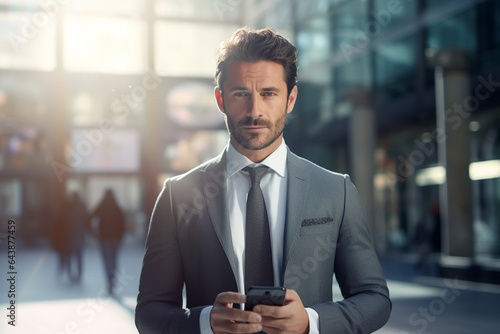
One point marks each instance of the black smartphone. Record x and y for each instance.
(264, 295)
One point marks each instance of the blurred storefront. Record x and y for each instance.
(119, 94)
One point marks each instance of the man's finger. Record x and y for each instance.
(226, 298)
(289, 318)
(231, 320)
(236, 315)
(269, 311)
(234, 327)
(278, 311)
(226, 319)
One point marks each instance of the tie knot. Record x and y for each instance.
(256, 173)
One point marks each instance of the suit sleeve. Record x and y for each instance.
(366, 306)
(159, 303)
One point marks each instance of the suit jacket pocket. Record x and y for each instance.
(316, 225)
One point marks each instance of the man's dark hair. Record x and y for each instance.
(255, 45)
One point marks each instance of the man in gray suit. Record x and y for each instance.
(317, 225)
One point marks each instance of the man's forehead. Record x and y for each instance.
(264, 71)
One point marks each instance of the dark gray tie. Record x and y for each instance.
(258, 256)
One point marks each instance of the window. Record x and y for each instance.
(104, 45)
(227, 10)
(97, 150)
(390, 12)
(187, 49)
(28, 41)
(10, 197)
(355, 74)
(488, 36)
(23, 148)
(456, 32)
(349, 22)
(434, 3)
(192, 104)
(25, 98)
(94, 100)
(108, 7)
(193, 148)
(395, 66)
(313, 42)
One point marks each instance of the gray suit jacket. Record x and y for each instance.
(189, 242)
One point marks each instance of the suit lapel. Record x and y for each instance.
(214, 177)
(297, 192)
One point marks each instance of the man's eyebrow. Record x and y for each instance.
(243, 88)
(270, 89)
(235, 88)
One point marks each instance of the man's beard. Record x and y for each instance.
(250, 141)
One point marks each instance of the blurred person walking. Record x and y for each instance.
(424, 246)
(78, 220)
(110, 230)
(60, 238)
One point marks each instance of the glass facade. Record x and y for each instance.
(457, 32)
(396, 68)
(383, 47)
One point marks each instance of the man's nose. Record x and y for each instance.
(254, 106)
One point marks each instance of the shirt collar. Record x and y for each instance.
(276, 161)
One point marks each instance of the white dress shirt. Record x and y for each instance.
(273, 185)
(274, 190)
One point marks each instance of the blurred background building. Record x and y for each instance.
(401, 94)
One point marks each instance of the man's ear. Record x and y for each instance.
(218, 98)
(291, 99)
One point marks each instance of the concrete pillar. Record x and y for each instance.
(60, 134)
(361, 149)
(150, 132)
(452, 92)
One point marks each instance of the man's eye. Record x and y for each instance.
(240, 94)
(268, 94)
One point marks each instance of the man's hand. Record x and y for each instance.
(226, 319)
(290, 318)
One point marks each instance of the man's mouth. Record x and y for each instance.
(254, 124)
(254, 128)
